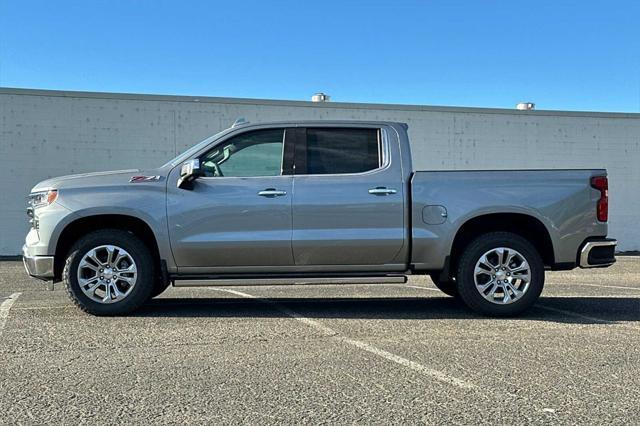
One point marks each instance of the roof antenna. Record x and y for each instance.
(240, 121)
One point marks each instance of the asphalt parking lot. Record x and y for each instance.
(327, 354)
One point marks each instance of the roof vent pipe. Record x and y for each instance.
(320, 97)
(526, 106)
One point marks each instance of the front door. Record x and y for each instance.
(239, 213)
(348, 205)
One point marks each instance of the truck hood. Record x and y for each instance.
(85, 180)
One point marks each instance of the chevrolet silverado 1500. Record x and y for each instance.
(314, 202)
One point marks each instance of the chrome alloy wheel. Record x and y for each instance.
(107, 274)
(502, 275)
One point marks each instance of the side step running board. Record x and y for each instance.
(390, 279)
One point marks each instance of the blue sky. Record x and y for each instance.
(575, 55)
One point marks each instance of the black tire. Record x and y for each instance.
(160, 288)
(141, 255)
(449, 287)
(465, 274)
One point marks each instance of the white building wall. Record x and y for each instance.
(50, 133)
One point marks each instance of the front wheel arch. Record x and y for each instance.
(84, 225)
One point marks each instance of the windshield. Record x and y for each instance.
(188, 153)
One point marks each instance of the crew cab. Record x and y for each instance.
(314, 202)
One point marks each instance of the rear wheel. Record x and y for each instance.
(109, 272)
(500, 274)
(448, 287)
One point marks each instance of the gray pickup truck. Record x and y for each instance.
(314, 202)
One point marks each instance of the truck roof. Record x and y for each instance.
(319, 122)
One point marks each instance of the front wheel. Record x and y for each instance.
(159, 288)
(500, 274)
(109, 272)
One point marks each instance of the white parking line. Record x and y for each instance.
(590, 318)
(571, 313)
(575, 314)
(607, 286)
(43, 308)
(422, 288)
(4, 309)
(430, 372)
(561, 295)
(593, 296)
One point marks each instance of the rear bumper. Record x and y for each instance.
(598, 253)
(38, 266)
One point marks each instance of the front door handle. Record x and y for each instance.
(272, 192)
(381, 190)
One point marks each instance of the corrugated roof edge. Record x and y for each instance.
(338, 105)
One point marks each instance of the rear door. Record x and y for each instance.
(348, 204)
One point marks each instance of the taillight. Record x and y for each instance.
(602, 184)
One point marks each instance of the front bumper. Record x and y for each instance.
(598, 253)
(38, 266)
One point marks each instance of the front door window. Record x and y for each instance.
(257, 153)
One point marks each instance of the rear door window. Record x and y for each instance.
(341, 151)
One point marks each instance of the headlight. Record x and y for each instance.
(42, 198)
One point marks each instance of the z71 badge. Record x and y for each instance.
(137, 179)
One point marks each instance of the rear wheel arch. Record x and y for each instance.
(524, 225)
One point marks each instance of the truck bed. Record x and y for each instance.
(561, 200)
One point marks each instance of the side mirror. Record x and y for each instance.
(189, 171)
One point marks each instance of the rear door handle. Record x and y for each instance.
(272, 192)
(381, 190)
